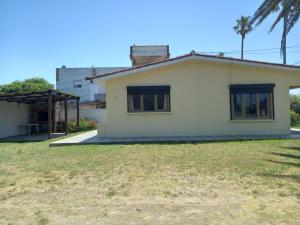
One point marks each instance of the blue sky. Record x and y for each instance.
(38, 36)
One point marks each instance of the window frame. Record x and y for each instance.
(77, 84)
(149, 90)
(257, 89)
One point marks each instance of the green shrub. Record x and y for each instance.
(84, 125)
(28, 85)
(295, 118)
(295, 103)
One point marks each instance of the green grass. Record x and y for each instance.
(229, 182)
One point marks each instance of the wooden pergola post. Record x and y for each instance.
(66, 116)
(77, 121)
(49, 115)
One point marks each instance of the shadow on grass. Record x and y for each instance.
(284, 163)
(20, 141)
(286, 155)
(293, 148)
(38, 139)
(91, 141)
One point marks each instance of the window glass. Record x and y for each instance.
(264, 105)
(237, 102)
(136, 102)
(250, 105)
(161, 102)
(148, 101)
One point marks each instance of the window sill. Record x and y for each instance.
(150, 113)
(252, 121)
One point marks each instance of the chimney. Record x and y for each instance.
(141, 55)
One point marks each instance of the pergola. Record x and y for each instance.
(49, 96)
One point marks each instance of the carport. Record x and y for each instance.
(49, 98)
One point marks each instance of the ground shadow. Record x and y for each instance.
(293, 148)
(117, 141)
(286, 155)
(284, 163)
(19, 141)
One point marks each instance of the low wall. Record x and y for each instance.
(94, 114)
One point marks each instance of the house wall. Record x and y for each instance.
(11, 116)
(200, 103)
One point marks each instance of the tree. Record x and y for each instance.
(243, 27)
(295, 110)
(28, 85)
(288, 12)
(295, 103)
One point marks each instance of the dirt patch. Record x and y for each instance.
(156, 200)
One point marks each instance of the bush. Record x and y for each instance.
(295, 103)
(84, 125)
(28, 85)
(295, 118)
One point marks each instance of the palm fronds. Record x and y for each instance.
(243, 27)
(288, 11)
(288, 8)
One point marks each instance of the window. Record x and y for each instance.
(77, 84)
(148, 98)
(252, 101)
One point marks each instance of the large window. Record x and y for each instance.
(252, 101)
(148, 98)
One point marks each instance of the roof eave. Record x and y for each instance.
(198, 57)
(141, 69)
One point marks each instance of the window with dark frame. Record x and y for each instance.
(77, 84)
(148, 98)
(252, 101)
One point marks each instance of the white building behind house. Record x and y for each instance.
(92, 97)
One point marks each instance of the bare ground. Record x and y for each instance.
(159, 200)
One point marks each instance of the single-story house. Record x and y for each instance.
(198, 95)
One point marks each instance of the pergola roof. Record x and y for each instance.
(37, 96)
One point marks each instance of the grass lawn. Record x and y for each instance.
(247, 182)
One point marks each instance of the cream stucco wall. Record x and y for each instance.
(11, 116)
(200, 103)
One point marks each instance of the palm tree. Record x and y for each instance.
(288, 12)
(243, 27)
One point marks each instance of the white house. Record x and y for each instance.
(92, 97)
(199, 95)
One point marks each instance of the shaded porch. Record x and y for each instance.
(43, 112)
